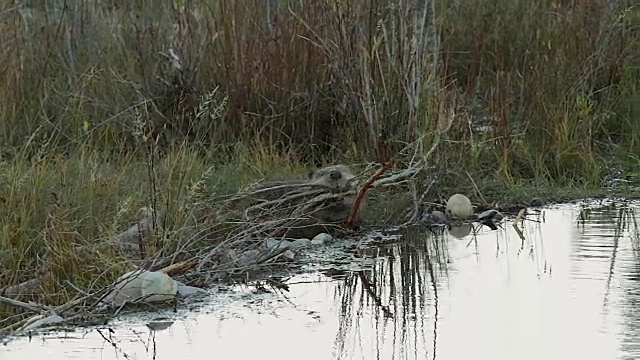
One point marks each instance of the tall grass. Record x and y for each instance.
(94, 92)
(324, 77)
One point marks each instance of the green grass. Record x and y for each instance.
(505, 100)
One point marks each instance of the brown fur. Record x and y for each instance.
(324, 217)
(336, 177)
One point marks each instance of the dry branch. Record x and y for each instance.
(36, 308)
(356, 206)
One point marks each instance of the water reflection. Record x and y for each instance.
(568, 288)
(395, 300)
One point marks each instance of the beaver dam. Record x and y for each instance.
(257, 233)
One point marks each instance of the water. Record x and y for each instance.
(569, 290)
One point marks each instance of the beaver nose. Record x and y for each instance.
(335, 175)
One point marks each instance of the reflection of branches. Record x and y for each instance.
(624, 217)
(436, 299)
(403, 289)
(372, 293)
(619, 217)
(346, 292)
(635, 244)
(109, 340)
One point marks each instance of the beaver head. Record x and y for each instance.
(336, 177)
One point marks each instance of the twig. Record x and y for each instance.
(418, 201)
(426, 191)
(518, 231)
(290, 197)
(475, 186)
(515, 224)
(519, 217)
(356, 206)
(306, 208)
(80, 291)
(34, 308)
(10, 328)
(407, 173)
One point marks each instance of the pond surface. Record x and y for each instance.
(569, 290)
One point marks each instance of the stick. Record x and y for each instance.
(475, 186)
(24, 305)
(518, 231)
(405, 174)
(515, 224)
(356, 206)
(519, 217)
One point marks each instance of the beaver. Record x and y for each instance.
(337, 178)
(320, 203)
(334, 177)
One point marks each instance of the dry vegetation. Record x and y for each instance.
(109, 105)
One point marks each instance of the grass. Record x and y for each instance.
(109, 106)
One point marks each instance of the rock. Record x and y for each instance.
(274, 244)
(434, 218)
(144, 286)
(321, 239)
(186, 290)
(300, 243)
(459, 207)
(247, 257)
(492, 215)
(289, 254)
(490, 218)
(130, 238)
(537, 202)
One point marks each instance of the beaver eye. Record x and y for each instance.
(335, 175)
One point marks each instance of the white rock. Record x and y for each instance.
(300, 243)
(186, 290)
(459, 207)
(144, 286)
(492, 215)
(274, 244)
(321, 239)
